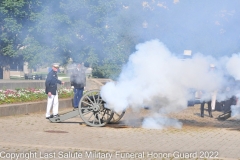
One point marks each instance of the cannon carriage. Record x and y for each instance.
(92, 110)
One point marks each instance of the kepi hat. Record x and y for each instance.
(55, 65)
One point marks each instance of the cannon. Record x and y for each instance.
(92, 110)
(225, 107)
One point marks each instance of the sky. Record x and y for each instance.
(208, 27)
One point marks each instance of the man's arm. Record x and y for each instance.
(59, 82)
(47, 84)
(48, 80)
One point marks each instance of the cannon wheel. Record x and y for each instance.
(117, 116)
(92, 110)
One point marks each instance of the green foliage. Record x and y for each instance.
(15, 19)
(109, 70)
(100, 33)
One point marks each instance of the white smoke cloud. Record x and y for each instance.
(157, 78)
(160, 122)
(235, 111)
(233, 66)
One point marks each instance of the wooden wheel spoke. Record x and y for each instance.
(90, 117)
(92, 110)
(89, 99)
(100, 113)
(98, 98)
(95, 118)
(117, 114)
(107, 112)
(99, 119)
(102, 116)
(84, 113)
(87, 103)
(94, 99)
(113, 118)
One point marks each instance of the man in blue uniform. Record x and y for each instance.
(78, 81)
(51, 90)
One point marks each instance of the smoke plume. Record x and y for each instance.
(157, 78)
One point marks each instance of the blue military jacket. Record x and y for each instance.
(51, 82)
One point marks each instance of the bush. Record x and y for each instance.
(106, 71)
(98, 72)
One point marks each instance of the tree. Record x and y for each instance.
(101, 33)
(17, 17)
